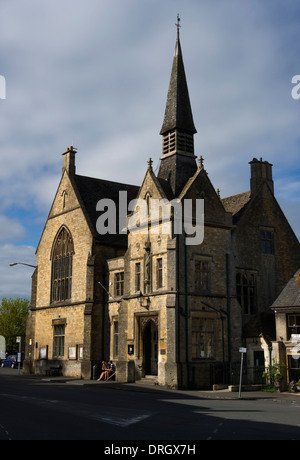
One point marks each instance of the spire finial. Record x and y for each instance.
(150, 163)
(178, 25)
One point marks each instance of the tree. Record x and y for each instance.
(13, 316)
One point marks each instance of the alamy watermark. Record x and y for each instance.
(2, 87)
(296, 89)
(164, 217)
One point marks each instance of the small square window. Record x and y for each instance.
(119, 284)
(137, 277)
(59, 341)
(201, 276)
(159, 274)
(267, 242)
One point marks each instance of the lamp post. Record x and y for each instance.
(21, 263)
(13, 264)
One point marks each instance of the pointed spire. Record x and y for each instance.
(178, 163)
(178, 114)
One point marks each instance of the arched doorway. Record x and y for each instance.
(150, 342)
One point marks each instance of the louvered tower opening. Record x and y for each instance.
(179, 142)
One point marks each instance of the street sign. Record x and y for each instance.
(19, 358)
(2, 347)
(131, 350)
(242, 350)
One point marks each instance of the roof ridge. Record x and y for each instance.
(237, 194)
(105, 180)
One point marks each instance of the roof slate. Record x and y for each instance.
(236, 204)
(178, 114)
(290, 296)
(91, 190)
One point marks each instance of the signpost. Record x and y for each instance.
(19, 355)
(2, 348)
(242, 351)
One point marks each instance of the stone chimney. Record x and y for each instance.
(69, 161)
(261, 171)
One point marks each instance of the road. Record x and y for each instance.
(56, 409)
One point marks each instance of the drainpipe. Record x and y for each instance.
(178, 299)
(228, 316)
(270, 357)
(104, 300)
(186, 313)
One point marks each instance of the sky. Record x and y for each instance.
(95, 73)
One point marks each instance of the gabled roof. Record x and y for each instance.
(160, 188)
(236, 204)
(91, 190)
(290, 296)
(200, 186)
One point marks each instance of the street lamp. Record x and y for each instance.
(21, 263)
(19, 338)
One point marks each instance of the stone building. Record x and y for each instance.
(155, 301)
(66, 325)
(287, 344)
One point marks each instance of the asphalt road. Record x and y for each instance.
(56, 409)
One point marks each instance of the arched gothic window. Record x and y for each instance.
(62, 267)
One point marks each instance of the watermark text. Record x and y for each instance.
(164, 217)
(2, 87)
(296, 89)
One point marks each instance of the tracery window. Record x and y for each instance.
(62, 267)
(246, 288)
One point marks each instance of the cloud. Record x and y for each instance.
(10, 229)
(16, 281)
(97, 77)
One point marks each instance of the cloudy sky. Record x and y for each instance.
(95, 74)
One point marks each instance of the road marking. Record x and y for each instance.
(6, 432)
(216, 430)
(121, 417)
(119, 420)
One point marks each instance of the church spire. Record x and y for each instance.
(178, 161)
(178, 113)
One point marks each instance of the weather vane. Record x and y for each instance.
(178, 23)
